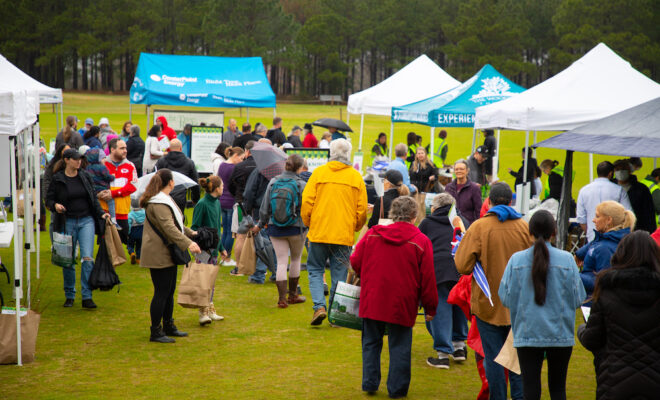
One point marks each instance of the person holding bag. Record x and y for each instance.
(393, 187)
(165, 242)
(207, 214)
(76, 211)
(280, 210)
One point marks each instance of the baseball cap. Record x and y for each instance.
(72, 153)
(482, 150)
(89, 121)
(394, 177)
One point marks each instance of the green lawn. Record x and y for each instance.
(258, 352)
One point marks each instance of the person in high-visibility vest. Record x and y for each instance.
(440, 155)
(653, 183)
(380, 148)
(412, 148)
(555, 175)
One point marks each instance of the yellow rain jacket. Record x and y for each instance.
(334, 204)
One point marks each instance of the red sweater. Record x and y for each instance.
(395, 266)
(310, 141)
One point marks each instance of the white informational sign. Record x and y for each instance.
(203, 142)
(177, 119)
(357, 160)
(315, 157)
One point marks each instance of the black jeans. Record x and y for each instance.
(400, 344)
(162, 304)
(123, 233)
(531, 362)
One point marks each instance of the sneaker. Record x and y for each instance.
(204, 318)
(133, 258)
(88, 303)
(435, 362)
(319, 316)
(459, 355)
(326, 290)
(234, 272)
(229, 263)
(68, 303)
(212, 314)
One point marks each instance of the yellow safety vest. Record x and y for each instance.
(557, 170)
(652, 188)
(374, 155)
(437, 156)
(412, 149)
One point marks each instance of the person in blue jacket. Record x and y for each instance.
(541, 288)
(612, 222)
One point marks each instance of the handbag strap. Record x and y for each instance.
(159, 233)
(381, 207)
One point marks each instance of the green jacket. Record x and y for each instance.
(207, 213)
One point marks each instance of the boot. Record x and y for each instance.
(157, 335)
(204, 318)
(171, 330)
(319, 316)
(212, 314)
(294, 297)
(281, 290)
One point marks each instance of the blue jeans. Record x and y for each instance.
(492, 339)
(400, 343)
(339, 261)
(134, 243)
(259, 275)
(449, 324)
(82, 232)
(226, 239)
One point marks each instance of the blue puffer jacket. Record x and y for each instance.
(597, 254)
(553, 323)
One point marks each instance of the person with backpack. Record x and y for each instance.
(280, 214)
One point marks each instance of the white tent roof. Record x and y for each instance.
(18, 110)
(420, 79)
(597, 85)
(13, 78)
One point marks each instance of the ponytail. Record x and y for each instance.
(542, 227)
(403, 190)
(161, 178)
(231, 151)
(210, 183)
(629, 220)
(68, 128)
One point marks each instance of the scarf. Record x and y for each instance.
(162, 198)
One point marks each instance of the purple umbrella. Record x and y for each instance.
(270, 160)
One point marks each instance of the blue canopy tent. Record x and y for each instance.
(456, 107)
(201, 81)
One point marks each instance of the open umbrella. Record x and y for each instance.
(179, 179)
(333, 123)
(269, 159)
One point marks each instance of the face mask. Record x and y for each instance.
(622, 175)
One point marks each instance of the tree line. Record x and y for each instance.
(313, 47)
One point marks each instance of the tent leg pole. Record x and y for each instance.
(525, 199)
(348, 118)
(391, 138)
(57, 117)
(432, 144)
(18, 265)
(496, 158)
(534, 151)
(130, 111)
(148, 115)
(591, 167)
(274, 112)
(37, 190)
(62, 114)
(247, 113)
(655, 163)
(474, 140)
(361, 131)
(28, 218)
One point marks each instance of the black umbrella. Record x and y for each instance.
(333, 123)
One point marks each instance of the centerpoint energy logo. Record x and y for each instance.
(494, 88)
(178, 81)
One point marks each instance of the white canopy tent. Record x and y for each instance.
(19, 124)
(15, 79)
(420, 79)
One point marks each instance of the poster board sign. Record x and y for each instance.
(358, 159)
(203, 142)
(314, 157)
(177, 119)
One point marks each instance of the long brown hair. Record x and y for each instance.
(68, 128)
(542, 227)
(210, 183)
(637, 249)
(161, 178)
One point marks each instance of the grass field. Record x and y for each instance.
(259, 351)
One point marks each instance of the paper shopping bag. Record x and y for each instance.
(197, 283)
(29, 330)
(113, 244)
(508, 357)
(247, 265)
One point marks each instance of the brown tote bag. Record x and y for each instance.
(196, 286)
(114, 244)
(29, 330)
(247, 265)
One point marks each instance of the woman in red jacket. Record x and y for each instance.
(395, 266)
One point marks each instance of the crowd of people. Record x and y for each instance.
(472, 259)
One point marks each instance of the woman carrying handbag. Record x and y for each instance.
(164, 235)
